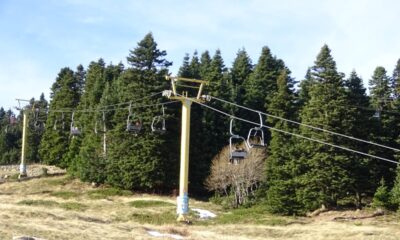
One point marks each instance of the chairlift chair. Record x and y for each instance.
(133, 123)
(74, 131)
(377, 114)
(97, 128)
(158, 123)
(255, 138)
(237, 154)
(38, 125)
(12, 121)
(57, 121)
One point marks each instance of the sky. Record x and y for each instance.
(38, 38)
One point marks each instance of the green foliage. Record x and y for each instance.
(165, 217)
(385, 127)
(395, 192)
(324, 175)
(65, 94)
(144, 161)
(360, 168)
(29, 202)
(253, 215)
(382, 196)
(262, 82)
(65, 194)
(279, 191)
(74, 206)
(107, 192)
(10, 137)
(37, 119)
(149, 203)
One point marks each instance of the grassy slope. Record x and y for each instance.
(64, 208)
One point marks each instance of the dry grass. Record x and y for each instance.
(64, 208)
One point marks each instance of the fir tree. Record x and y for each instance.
(325, 176)
(10, 137)
(37, 119)
(384, 128)
(262, 82)
(239, 75)
(305, 87)
(148, 160)
(64, 95)
(147, 57)
(215, 128)
(280, 191)
(395, 80)
(381, 197)
(361, 166)
(86, 120)
(395, 192)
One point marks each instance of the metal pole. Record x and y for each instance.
(22, 167)
(183, 199)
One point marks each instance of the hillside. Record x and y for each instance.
(60, 207)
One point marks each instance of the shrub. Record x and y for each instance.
(237, 182)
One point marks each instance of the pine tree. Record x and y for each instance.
(325, 176)
(395, 81)
(94, 86)
(381, 197)
(395, 192)
(194, 66)
(148, 160)
(361, 165)
(384, 128)
(239, 75)
(147, 57)
(10, 137)
(305, 87)
(262, 82)
(184, 70)
(379, 88)
(37, 119)
(64, 95)
(280, 183)
(215, 127)
(205, 62)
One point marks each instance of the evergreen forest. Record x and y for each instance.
(328, 141)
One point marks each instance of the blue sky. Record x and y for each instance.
(38, 38)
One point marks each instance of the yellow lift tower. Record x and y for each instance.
(183, 198)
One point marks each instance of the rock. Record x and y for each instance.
(27, 238)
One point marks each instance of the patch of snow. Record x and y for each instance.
(204, 214)
(158, 234)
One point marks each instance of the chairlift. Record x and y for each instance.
(133, 123)
(255, 138)
(158, 123)
(74, 131)
(37, 124)
(237, 153)
(377, 113)
(12, 121)
(62, 122)
(97, 128)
